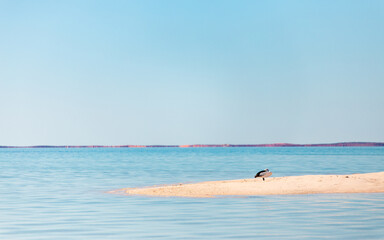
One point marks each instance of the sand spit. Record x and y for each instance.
(310, 184)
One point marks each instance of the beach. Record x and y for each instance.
(308, 184)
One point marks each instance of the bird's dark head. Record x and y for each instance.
(267, 170)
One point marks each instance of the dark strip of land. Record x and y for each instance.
(341, 144)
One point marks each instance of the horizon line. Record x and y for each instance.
(338, 144)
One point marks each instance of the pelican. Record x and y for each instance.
(263, 174)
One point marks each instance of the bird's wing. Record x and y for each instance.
(259, 173)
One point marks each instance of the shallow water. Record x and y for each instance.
(61, 194)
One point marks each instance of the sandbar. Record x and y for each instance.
(309, 184)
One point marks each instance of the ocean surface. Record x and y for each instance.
(62, 194)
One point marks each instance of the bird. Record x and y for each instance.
(263, 174)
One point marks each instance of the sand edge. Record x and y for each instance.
(308, 184)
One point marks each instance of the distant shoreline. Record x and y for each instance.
(340, 144)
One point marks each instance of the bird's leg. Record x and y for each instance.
(263, 179)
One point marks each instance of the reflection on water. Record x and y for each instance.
(60, 194)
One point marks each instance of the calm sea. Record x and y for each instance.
(61, 194)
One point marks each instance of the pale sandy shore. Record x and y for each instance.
(310, 184)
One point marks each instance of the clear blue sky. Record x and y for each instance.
(186, 72)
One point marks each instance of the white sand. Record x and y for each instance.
(310, 184)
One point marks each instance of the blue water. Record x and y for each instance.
(61, 194)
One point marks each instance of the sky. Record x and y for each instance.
(191, 72)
